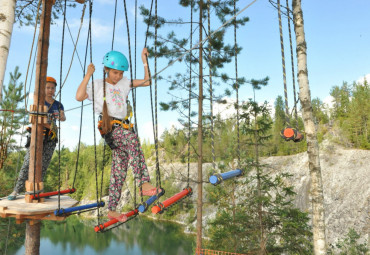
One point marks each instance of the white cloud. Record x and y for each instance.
(225, 110)
(228, 111)
(146, 131)
(362, 79)
(329, 101)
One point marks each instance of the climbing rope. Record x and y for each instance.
(288, 133)
(210, 66)
(292, 61)
(93, 97)
(114, 23)
(158, 175)
(29, 61)
(237, 88)
(190, 91)
(81, 115)
(75, 47)
(131, 79)
(60, 98)
(204, 40)
(287, 119)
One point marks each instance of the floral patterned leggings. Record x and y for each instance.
(47, 154)
(127, 148)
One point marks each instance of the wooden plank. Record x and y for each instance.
(20, 207)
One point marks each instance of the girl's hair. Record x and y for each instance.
(106, 120)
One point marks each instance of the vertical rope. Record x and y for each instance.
(283, 63)
(60, 97)
(154, 115)
(135, 39)
(93, 96)
(149, 22)
(131, 72)
(292, 61)
(190, 89)
(211, 85)
(131, 78)
(237, 88)
(158, 176)
(29, 61)
(114, 23)
(150, 86)
(82, 106)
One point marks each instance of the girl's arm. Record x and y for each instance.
(81, 94)
(146, 81)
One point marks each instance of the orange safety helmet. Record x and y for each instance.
(51, 79)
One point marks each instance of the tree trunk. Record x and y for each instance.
(318, 216)
(7, 11)
(32, 242)
(262, 250)
(200, 138)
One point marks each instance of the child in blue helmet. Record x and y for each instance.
(110, 96)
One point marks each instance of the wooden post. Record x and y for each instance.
(34, 174)
(200, 138)
(32, 243)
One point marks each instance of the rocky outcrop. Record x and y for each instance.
(346, 185)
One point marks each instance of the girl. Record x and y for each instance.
(56, 110)
(110, 101)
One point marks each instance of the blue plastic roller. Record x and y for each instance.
(218, 178)
(77, 208)
(143, 207)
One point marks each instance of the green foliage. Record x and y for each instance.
(263, 218)
(26, 11)
(341, 98)
(12, 235)
(218, 54)
(349, 245)
(319, 111)
(148, 149)
(351, 112)
(11, 115)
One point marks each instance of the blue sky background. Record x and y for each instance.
(337, 34)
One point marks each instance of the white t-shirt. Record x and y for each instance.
(115, 96)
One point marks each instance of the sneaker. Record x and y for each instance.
(13, 195)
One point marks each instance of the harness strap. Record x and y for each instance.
(115, 123)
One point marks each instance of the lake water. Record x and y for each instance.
(139, 236)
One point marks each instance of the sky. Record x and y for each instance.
(338, 50)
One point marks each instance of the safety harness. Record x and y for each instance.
(49, 134)
(115, 122)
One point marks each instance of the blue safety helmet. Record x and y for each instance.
(115, 60)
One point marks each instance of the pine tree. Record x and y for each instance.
(11, 115)
(263, 220)
(319, 111)
(172, 47)
(357, 122)
(341, 96)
